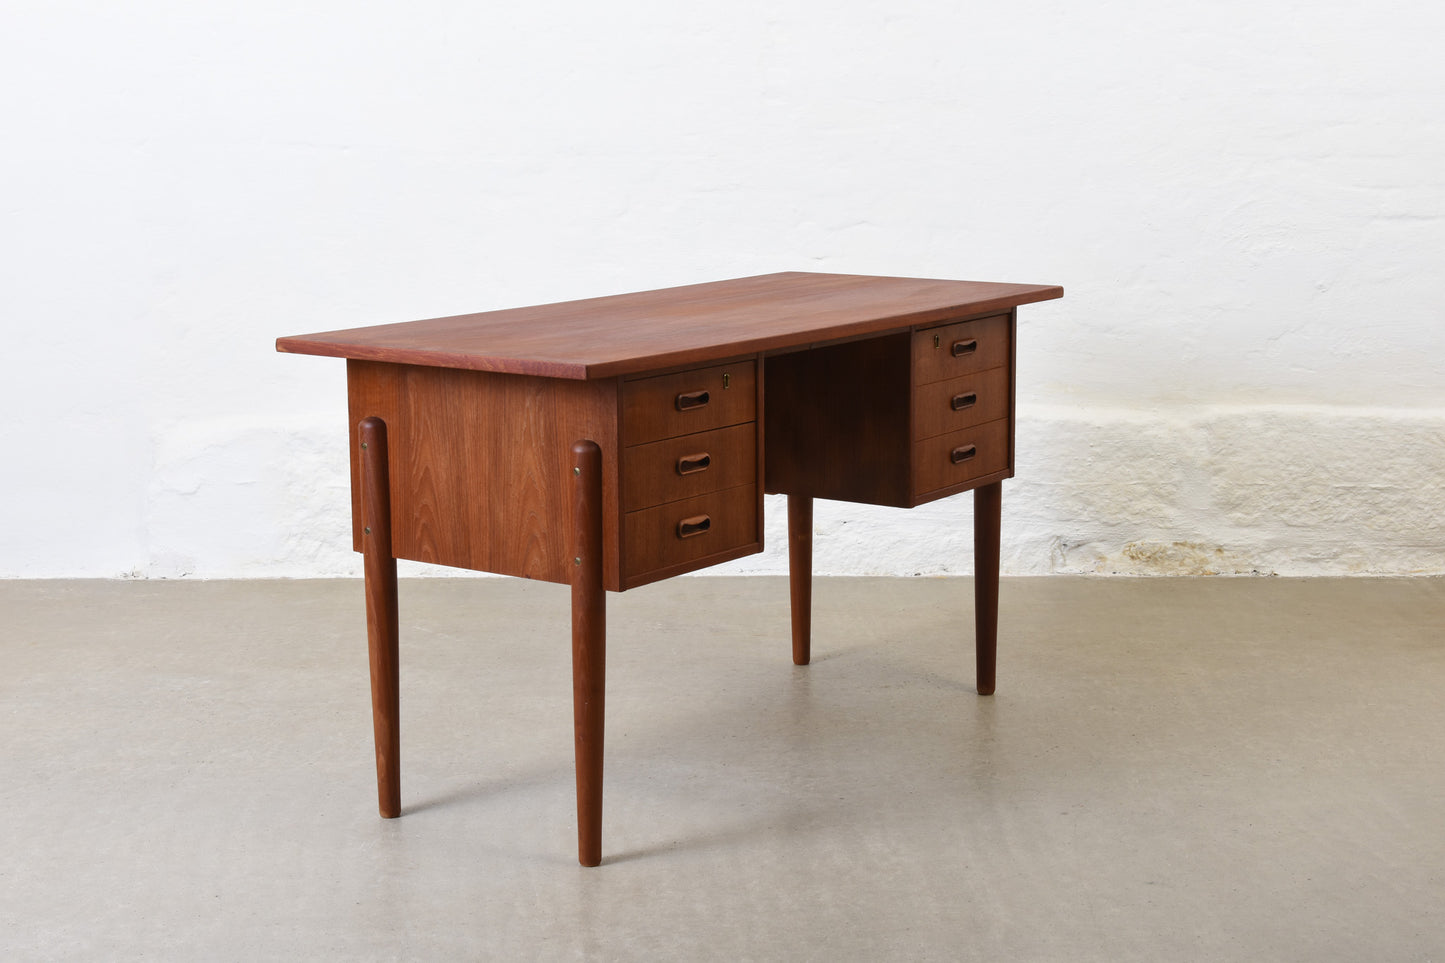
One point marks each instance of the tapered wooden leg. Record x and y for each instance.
(800, 574)
(589, 646)
(987, 514)
(381, 615)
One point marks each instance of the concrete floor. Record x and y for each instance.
(1171, 770)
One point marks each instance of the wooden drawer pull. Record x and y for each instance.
(692, 464)
(689, 400)
(962, 453)
(960, 402)
(696, 525)
(961, 348)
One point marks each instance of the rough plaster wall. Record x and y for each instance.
(1245, 203)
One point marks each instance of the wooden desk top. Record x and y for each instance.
(634, 333)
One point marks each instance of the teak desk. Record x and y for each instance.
(616, 441)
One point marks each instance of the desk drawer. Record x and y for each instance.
(688, 401)
(958, 456)
(959, 349)
(688, 465)
(974, 399)
(689, 529)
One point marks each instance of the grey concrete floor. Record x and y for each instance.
(1171, 770)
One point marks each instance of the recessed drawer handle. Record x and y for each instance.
(696, 525)
(962, 453)
(691, 399)
(961, 348)
(691, 464)
(960, 402)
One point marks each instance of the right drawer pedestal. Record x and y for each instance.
(895, 420)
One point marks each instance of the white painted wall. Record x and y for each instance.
(1244, 201)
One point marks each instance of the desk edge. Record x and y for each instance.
(639, 364)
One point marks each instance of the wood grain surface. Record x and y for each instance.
(837, 422)
(718, 396)
(987, 515)
(481, 465)
(800, 575)
(383, 622)
(648, 331)
(934, 470)
(589, 644)
(651, 541)
(934, 358)
(973, 399)
(652, 475)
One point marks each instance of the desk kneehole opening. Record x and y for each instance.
(695, 525)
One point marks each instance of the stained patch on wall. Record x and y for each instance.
(1180, 558)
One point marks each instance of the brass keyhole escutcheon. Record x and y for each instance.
(727, 381)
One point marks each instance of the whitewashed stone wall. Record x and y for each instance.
(1245, 203)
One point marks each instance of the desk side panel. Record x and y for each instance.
(480, 465)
